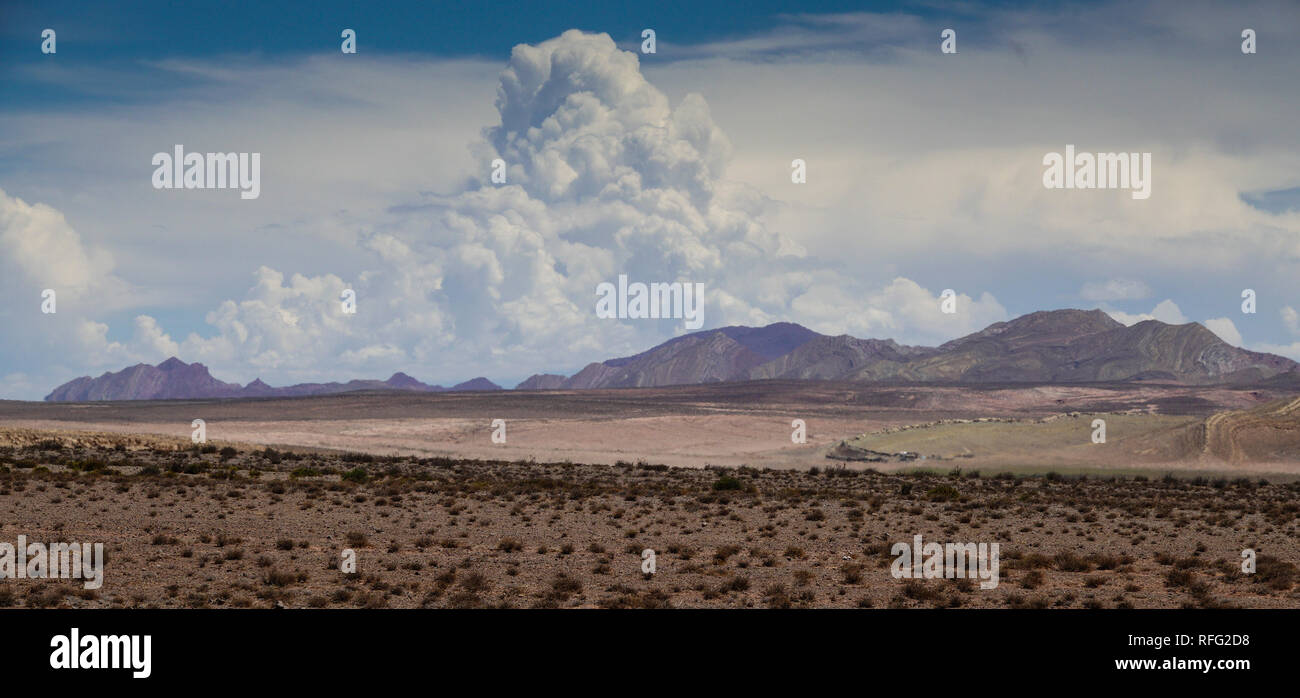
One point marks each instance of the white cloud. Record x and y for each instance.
(1165, 311)
(1115, 290)
(1291, 351)
(1226, 329)
(902, 309)
(39, 250)
(1290, 319)
(152, 337)
(895, 175)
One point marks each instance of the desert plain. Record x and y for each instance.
(438, 515)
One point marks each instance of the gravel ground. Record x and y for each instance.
(246, 526)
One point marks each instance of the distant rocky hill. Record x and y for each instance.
(1057, 346)
(174, 379)
(541, 381)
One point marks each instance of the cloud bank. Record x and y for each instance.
(603, 177)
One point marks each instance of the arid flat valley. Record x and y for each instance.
(728, 424)
(558, 516)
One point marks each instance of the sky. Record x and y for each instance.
(924, 172)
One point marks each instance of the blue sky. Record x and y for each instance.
(924, 174)
(140, 30)
(96, 34)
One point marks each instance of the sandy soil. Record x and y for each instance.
(680, 441)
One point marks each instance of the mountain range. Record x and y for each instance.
(1057, 346)
(174, 379)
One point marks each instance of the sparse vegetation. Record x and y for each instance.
(465, 534)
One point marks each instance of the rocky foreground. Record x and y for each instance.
(237, 527)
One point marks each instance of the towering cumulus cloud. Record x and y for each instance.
(580, 122)
(603, 176)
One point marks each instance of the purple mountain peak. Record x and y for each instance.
(174, 379)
